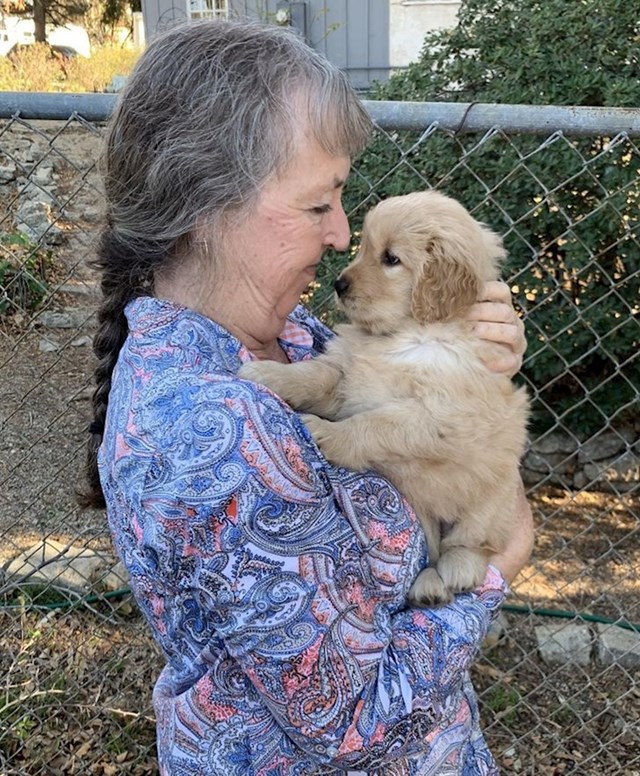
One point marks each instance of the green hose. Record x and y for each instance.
(87, 599)
(620, 623)
(125, 591)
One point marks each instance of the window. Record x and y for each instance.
(207, 9)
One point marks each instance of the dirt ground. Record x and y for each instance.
(80, 702)
(76, 684)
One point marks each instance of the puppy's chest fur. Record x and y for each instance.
(421, 364)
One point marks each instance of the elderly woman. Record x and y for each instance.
(274, 583)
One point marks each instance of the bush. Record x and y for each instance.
(24, 271)
(33, 68)
(95, 74)
(568, 207)
(7, 75)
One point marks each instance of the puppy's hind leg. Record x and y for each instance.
(463, 558)
(462, 568)
(429, 589)
(454, 568)
(458, 570)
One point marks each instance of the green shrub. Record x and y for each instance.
(568, 207)
(24, 269)
(95, 74)
(33, 68)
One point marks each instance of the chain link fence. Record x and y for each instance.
(558, 681)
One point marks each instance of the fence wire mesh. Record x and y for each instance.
(558, 682)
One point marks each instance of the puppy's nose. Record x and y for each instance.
(341, 285)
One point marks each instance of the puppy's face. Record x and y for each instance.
(423, 258)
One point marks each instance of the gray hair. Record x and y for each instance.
(206, 118)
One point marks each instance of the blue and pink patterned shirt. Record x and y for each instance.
(275, 583)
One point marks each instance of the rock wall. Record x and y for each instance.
(609, 461)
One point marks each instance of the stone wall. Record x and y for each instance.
(609, 461)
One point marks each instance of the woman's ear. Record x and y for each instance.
(447, 284)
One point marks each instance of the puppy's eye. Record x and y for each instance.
(390, 259)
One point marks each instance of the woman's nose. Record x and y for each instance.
(339, 235)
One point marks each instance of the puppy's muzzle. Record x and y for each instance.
(341, 286)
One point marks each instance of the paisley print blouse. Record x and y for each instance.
(275, 583)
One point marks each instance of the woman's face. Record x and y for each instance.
(298, 216)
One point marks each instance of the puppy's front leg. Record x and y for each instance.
(462, 568)
(374, 437)
(308, 386)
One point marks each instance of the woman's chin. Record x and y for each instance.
(310, 273)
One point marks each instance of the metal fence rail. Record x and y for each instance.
(559, 684)
(459, 116)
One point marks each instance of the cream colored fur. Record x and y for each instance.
(403, 388)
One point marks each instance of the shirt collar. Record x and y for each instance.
(147, 314)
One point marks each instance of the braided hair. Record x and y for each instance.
(204, 120)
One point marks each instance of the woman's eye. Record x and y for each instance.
(320, 210)
(390, 259)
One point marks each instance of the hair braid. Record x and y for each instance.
(123, 278)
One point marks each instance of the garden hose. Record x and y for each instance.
(514, 608)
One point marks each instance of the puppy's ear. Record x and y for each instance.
(447, 283)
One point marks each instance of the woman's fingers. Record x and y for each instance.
(496, 321)
(507, 364)
(501, 312)
(495, 291)
(509, 334)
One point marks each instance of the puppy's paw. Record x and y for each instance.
(269, 373)
(461, 568)
(323, 434)
(327, 435)
(317, 427)
(429, 589)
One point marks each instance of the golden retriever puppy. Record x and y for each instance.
(403, 389)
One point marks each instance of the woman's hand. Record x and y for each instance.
(496, 321)
(516, 554)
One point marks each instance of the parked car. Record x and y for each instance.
(63, 52)
(68, 41)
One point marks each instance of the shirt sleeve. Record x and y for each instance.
(301, 571)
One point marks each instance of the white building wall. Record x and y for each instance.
(409, 22)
